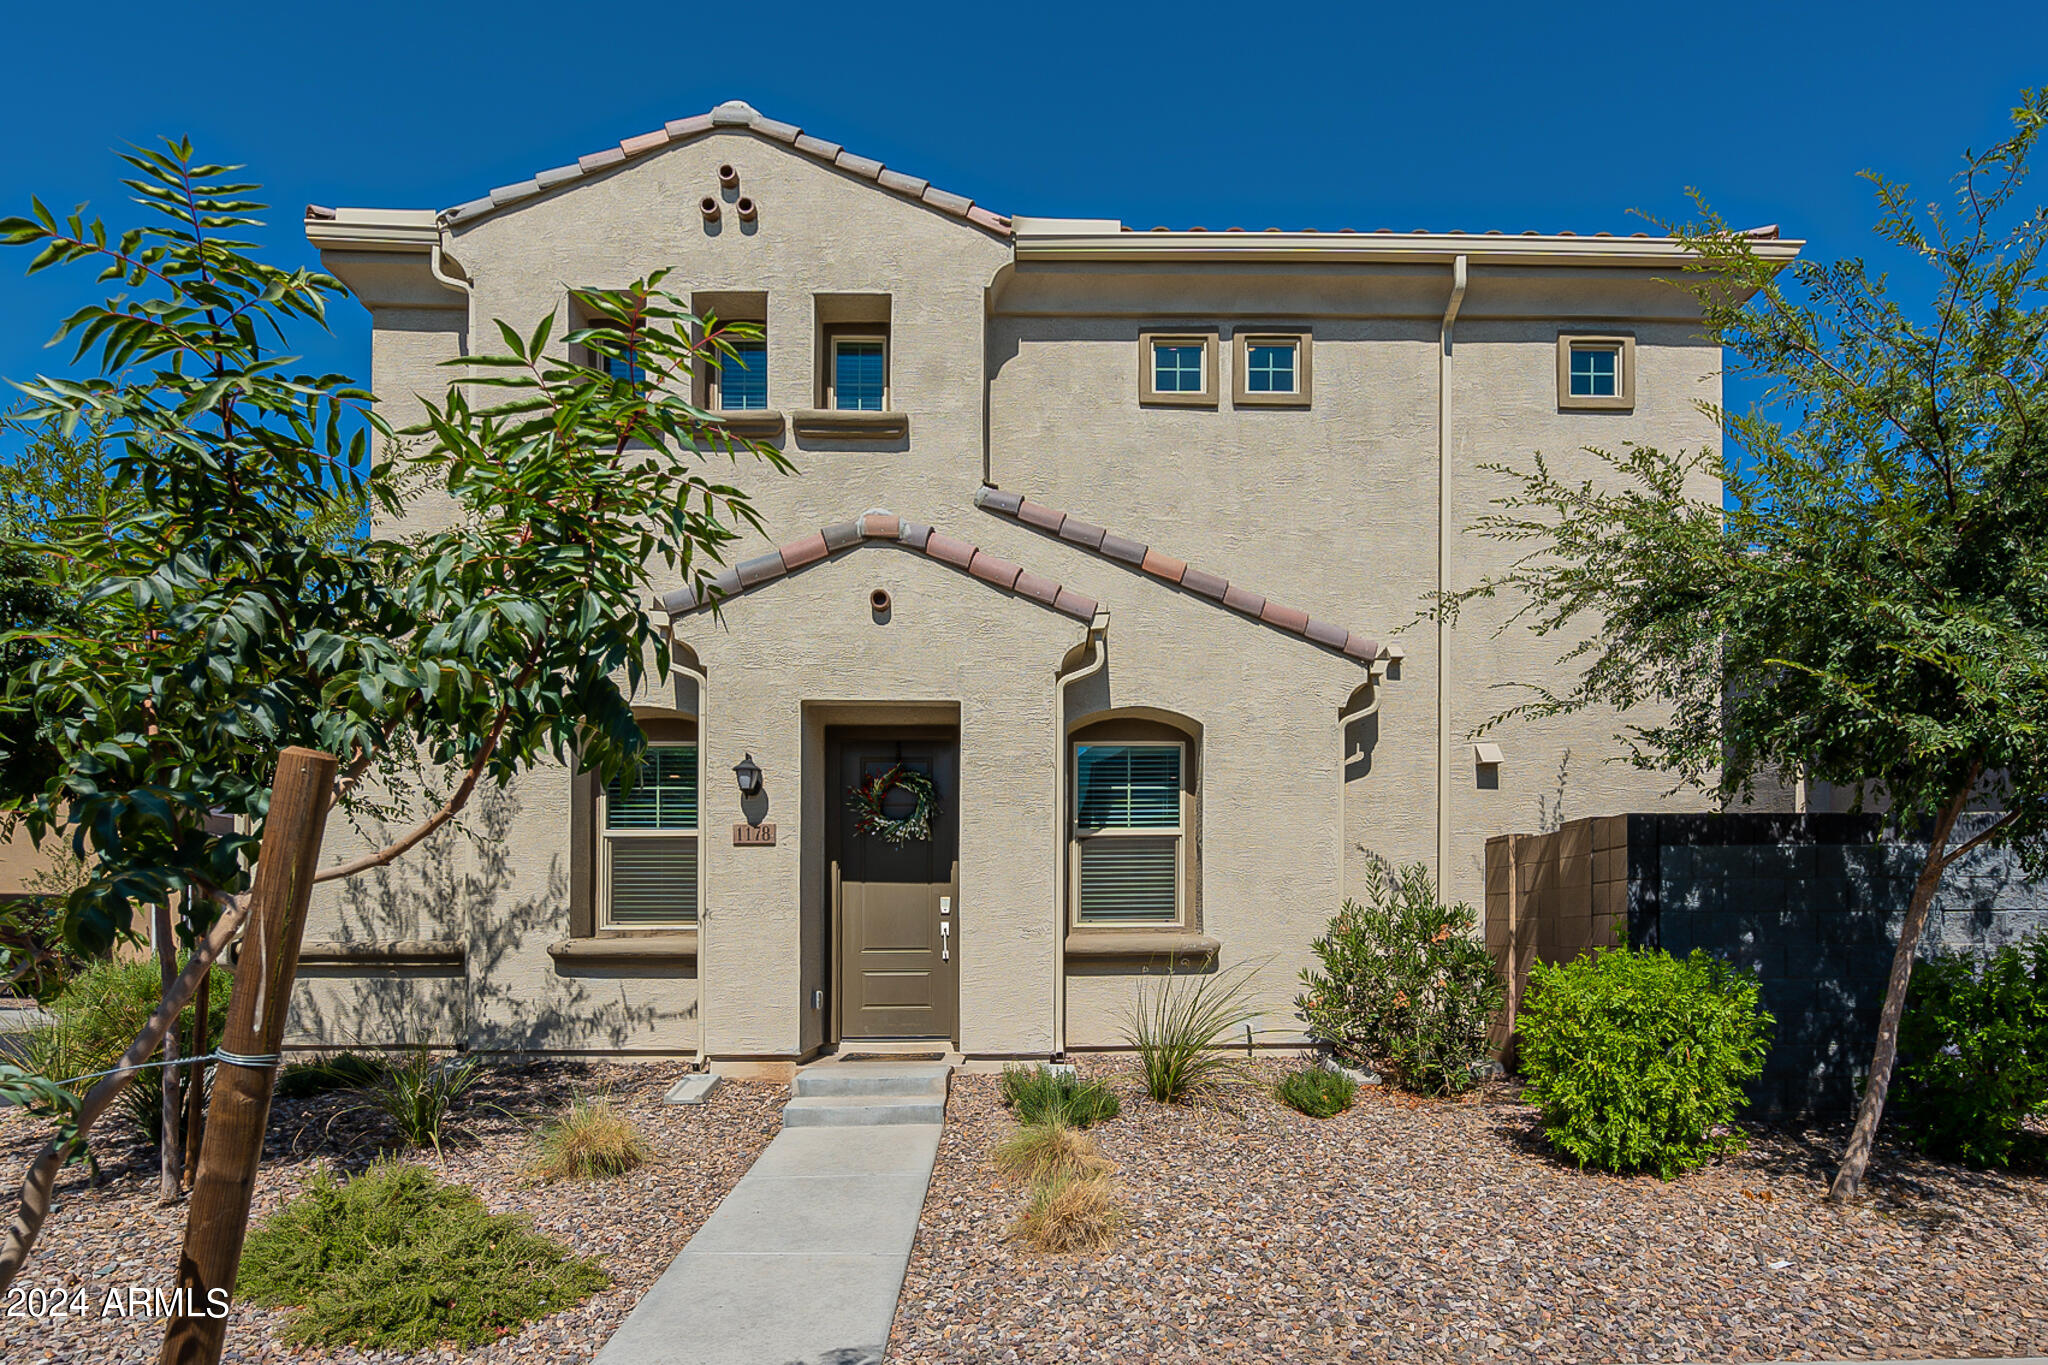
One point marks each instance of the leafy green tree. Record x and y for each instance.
(225, 622)
(1870, 607)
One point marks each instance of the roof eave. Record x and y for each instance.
(1382, 248)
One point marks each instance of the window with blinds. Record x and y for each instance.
(650, 843)
(1127, 817)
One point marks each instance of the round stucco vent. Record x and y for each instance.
(879, 602)
(729, 176)
(709, 206)
(745, 208)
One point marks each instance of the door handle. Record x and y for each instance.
(945, 940)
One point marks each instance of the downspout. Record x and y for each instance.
(454, 282)
(703, 902)
(1443, 561)
(1098, 646)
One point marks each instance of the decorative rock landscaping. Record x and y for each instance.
(1443, 1230)
(117, 1235)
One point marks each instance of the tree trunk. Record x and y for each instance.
(217, 1219)
(171, 1171)
(195, 1082)
(1848, 1180)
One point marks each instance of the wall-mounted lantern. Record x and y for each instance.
(748, 774)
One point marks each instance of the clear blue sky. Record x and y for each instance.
(1528, 115)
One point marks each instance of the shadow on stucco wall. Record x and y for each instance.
(506, 995)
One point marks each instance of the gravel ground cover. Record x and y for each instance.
(1443, 1230)
(117, 1235)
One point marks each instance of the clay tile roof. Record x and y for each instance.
(1158, 564)
(736, 114)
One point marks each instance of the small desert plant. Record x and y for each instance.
(1039, 1152)
(1973, 1050)
(1040, 1094)
(1070, 1213)
(1317, 1091)
(343, 1071)
(1182, 1027)
(98, 1014)
(395, 1260)
(417, 1094)
(1638, 1059)
(590, 1140)
(1405, 985)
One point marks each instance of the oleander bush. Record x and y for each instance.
(1406, 987)
(1637, 1059)
(590, 1140)
(1317, 1091)
(320, 1075)
(395, 1260)
(98, 1013)
(1973, 1054)
(1039, 1094)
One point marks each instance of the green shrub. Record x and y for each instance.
(1637, 1057)
(1040, 1094)
(1181, 1032)
(1405, 985)
(98, 1014)
(417, 1094)
(343, 1071)
(1973, 1049)
(394, 1260)
(1317, 1091)
(590, 1140)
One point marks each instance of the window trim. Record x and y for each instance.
(1243, 396)
(606, 837)
(1150, 396)
(1623, 344)
(1078, 836)
(841, 338)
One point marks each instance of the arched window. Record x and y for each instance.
(1133, 825)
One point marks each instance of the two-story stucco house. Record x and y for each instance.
(1117, 536)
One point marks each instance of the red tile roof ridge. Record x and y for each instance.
(1158, 564)
(733, 114)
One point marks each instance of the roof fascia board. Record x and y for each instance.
(1390, 248)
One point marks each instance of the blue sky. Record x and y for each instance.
(1529, 115)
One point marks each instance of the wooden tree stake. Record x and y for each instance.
(217, 1219)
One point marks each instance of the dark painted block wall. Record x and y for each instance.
(1813, 904)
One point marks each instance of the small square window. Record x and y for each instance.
(1596, 373)
(1271, 370)
(1177, 371)
(743, 376)
(859, 374)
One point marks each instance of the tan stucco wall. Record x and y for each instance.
(1031, 368)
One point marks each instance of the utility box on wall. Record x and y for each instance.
(1811, 903)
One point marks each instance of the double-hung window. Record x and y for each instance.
(1129, 833)
(860, 374)
(649, 853)
(743, 376)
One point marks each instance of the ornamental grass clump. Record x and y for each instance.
(1405, 986)
(1040, 1094)
(1182, 1029)
(1638, 1059)
(343, 1071)
(1070, 1213)
(1317, 1091)
(395, 1260)
(417, 1094)
(590, 1140)
(1039, 1152)
(1974, 1055)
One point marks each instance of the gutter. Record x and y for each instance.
(1059, 242)
(1097, 642)
(1459, 279)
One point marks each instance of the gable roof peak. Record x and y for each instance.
(734, 113)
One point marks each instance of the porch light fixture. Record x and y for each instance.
(748, 774)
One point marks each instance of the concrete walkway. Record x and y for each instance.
(802, 1262)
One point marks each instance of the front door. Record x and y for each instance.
(898, 946)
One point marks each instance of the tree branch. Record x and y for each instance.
(391, 852)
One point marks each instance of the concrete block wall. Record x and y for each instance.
(1811, 903)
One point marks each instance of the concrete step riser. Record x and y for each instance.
(812, 1083)
(864, 1116)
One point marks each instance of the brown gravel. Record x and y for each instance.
(1411, 1230)
(117, 1235)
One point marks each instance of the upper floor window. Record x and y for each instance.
(1177, 370)
(649, 867)
(616, 358)
(860, 373)
(743, 376)
(1272, 370)
(1596, 372)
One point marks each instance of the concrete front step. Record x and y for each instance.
(919, 1079)
(862, 1111)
